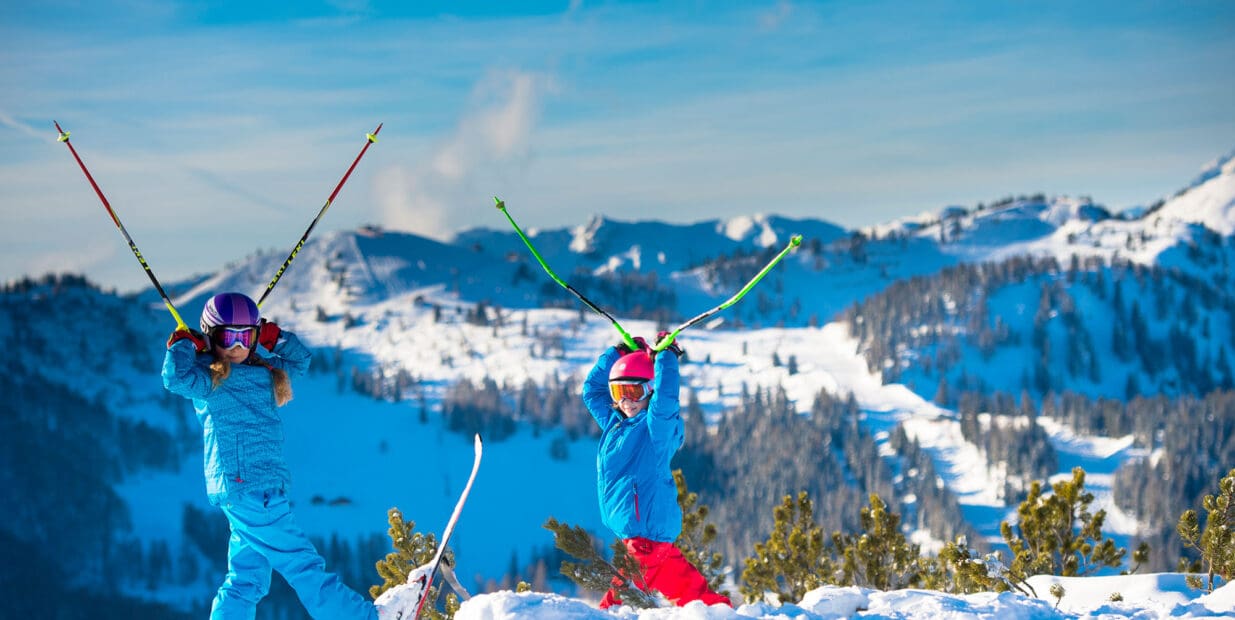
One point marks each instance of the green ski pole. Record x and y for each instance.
(630, 342)
(794, 242)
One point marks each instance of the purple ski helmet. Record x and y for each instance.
(229, 309)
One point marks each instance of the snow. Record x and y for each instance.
(738, 228)
(1144, 597)
(1209, 203)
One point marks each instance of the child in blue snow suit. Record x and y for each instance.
(236, 373)
(634, 399)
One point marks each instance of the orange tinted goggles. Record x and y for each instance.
(629, 390)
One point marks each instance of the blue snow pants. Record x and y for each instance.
(265, 537)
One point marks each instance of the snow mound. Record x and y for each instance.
(1143, 596)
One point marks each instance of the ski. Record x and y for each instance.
(424, 575)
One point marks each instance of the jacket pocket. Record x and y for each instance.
(239, 463)
(636, 487)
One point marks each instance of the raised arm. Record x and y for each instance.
(289, 354)
(664, 410)
(181, 373)
(596, 388)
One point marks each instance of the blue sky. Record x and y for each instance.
(217, 129)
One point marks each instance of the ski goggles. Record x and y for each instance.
(629, 390)
(228, 336)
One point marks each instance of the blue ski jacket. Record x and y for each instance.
(634, 483)
(242, 431)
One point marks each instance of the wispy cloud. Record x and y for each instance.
(771, 19)
(491, 138)
(8, 121)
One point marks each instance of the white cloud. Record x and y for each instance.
(9, 121)
(772, 18)
(492, 137)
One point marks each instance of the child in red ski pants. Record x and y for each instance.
(633, 397)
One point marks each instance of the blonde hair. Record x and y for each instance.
(220, 370)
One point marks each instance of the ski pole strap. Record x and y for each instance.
(64, 137)
(370, 138)
(630, 341)
(794, 242)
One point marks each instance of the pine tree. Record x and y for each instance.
(1216, 543)
(411, 550)
(695, 541)
(880, 557)
(1046, 541)
(594, 573)
(793, 560)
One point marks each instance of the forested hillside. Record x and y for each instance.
(1108, 350)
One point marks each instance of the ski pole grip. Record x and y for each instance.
(666, 341)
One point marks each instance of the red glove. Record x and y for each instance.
(675, 348)
(192, 335)
(268, 334)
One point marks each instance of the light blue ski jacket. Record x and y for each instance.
(242, 430)
(634, 483)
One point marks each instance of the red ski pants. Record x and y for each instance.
(664, 569)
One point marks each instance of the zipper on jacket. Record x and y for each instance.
(636, 485)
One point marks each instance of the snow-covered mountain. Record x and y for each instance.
(416, 316)
(1066, 226)
(703, 263)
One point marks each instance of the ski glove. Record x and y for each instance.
(192, 335)
(268, 334)
(676, 348)
(625, 350)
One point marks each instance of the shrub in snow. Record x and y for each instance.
(1216, 542)
(593, 572)
(1047, 540)
(793, 560)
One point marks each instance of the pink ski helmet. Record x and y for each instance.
(635, 366)
(229, 309)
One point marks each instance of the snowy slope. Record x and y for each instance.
(1210, 200)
